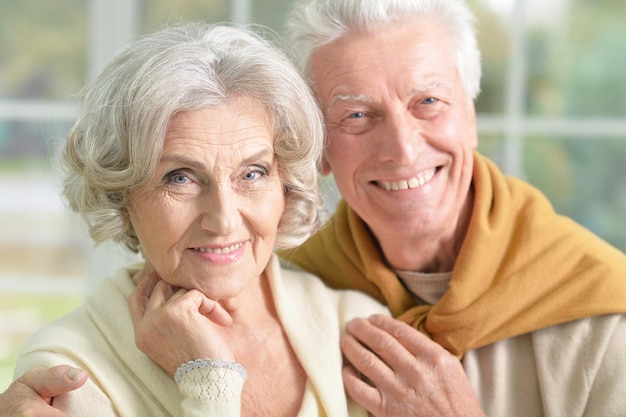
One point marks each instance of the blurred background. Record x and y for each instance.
(552, 111)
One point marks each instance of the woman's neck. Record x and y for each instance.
(276, 379)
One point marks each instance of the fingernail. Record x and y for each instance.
(73, 373)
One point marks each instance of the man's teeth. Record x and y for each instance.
(415, 182)
(228, 249)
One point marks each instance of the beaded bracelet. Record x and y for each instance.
(208, 363)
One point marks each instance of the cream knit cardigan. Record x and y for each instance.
(123, 381)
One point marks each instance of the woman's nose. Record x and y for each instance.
(220, 211)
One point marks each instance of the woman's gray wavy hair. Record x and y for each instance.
(315, 23)
(116, 143)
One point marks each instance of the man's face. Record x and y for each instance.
(401, 129)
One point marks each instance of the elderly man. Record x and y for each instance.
(531, 302)
(519, 310)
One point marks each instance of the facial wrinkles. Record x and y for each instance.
(376, 89)
(220, 155)
(393, 71)
(216, 149)
(203, 144)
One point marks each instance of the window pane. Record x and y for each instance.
(272, 13)
(584, 179)
(492, 146)
(42, 48)
(38, 238)
(160, 12)
(43, 261)
(577, 58)
(493, 41)
(43, 253)
(22, 315)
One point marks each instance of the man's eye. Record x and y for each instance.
(356, 115)
(430, 100)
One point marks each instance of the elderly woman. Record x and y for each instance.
(198, 147)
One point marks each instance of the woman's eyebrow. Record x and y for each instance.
(182, 160)
(192, 163)
(264, 153)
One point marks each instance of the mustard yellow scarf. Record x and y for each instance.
(522, 267)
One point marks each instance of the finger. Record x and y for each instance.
(161, 294)
(361, 356)
(177, 294)
(147, 284)
(384, 337)
(136, 306)
(146, 279)
(214, 311)
(360, 391)
(416, 343)
(139, 297)
(50, 382)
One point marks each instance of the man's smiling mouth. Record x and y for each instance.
(419, 180)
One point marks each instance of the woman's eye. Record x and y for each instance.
(177, 178)
(254, 174)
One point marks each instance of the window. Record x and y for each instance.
(561, 123)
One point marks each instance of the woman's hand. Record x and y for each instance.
(174, 325)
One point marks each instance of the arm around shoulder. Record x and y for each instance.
(86, 399)
(33, 392)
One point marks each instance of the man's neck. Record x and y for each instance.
(429, 253)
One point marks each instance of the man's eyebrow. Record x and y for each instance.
(364, 98)
(351, 98)
(433, 85)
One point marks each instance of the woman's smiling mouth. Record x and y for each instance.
(223, 250)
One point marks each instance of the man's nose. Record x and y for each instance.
(401, 138)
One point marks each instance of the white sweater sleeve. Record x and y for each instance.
(211, 391)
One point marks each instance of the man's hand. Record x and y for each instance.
(395, 371)
(31, 394)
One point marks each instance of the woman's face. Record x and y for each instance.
(208, 218)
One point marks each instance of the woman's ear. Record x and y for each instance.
(325, 166)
